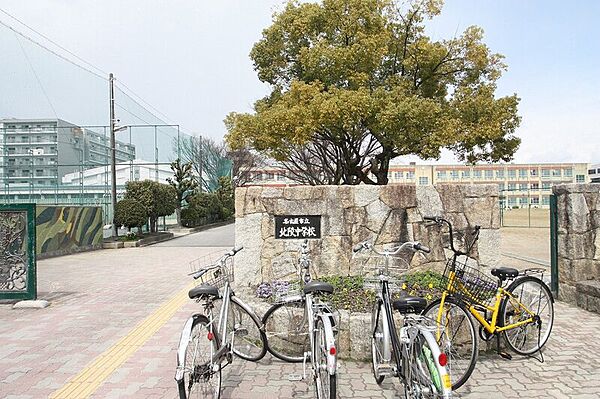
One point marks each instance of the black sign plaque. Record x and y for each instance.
(290, 227)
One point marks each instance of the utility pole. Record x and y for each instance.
(113, 169)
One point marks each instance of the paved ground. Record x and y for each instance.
(99, 298)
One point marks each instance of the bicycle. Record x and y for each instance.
(300, 327)
(522, 312)
(412, 353)
(207, 344)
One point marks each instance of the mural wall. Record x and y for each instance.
(67, 229)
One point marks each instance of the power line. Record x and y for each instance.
(53, 42)
(52, 51)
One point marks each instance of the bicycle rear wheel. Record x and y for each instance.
(325, 382)
(456, 338)
(200, 379)
(534, 294)
(380, 345)
(250, 342)
(425, 377)
(286, 329)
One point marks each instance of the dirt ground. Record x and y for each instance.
(531, 245)
(525, 217)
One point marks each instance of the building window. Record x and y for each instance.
(423, 180)
(270, 176)
(512, 174)
(523, 201)
(454, 174)
(535, 186)
(545, 200)
(556, 173)
(489, 174)
(591, 171)
(410, 175)
(546, 186)
(441, 175)
(533, 172)
(535, 200)
(477, 174)
(466, 174)
(512, 187)
(580, 179)
(522, 173)
(500, 174)
(501, 186)
(523, 187)
(545, 172)
(398, 175)
(568, 172)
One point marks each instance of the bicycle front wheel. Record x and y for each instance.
(249, 341)
(532, 294)
(200, 378)
(325, 380)
(286, 329)
(456, 338)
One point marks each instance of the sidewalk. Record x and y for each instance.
(97, 298)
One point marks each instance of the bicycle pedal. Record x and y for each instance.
(505, 355)
(295, 377)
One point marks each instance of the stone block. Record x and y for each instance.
(589, 287)
(335, 254)
(131, 244)
(300, 207)
(342, 196)
(365, 194)
(585, 269)
(429, 201)
(360, 345)
(378, 213)
(489, 247)
(399, 195)
(248, 261)
(253, 201)
(240, 201)
(478, 211)
(480, 190)
(578, 213)
(452, 197)
(272, 192)
(303, 192)
(267, 226)
(567, 293)
(394, 229)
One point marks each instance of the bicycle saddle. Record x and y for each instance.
(318, 287)
(505, 272)
(203, 289)
(410, 304)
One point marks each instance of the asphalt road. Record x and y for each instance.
(223, 236)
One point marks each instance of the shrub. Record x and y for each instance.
(130, 213)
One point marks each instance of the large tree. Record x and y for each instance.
(183, 182)
(356, 83)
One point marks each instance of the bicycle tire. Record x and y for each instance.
(202, 387)
(545, 312)
(325, 391)
(424, 374)
(460, 344)
(378, 323)
(286, 329)
(252, 345)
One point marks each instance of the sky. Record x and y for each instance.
(189, 60)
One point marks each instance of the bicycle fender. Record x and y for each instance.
(183, 343)
(435, 349)
(330, 342)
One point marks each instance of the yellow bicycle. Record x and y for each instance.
(521, 311)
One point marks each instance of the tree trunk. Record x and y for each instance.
(178, 213)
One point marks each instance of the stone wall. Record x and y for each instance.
(578, 207)
(351, 214)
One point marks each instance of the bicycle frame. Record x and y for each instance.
(491, 326)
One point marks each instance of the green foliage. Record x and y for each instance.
(130, 213)
(156, 198)
(202, 208)
(225, 195)
(183, 182)
(356, 83)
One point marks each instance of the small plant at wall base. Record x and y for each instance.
(349, 294)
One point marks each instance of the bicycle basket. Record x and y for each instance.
(218, 276)
(373, 266)
(469, 284)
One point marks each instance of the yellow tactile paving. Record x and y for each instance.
(92, 376)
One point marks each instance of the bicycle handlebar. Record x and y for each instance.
(440, 220)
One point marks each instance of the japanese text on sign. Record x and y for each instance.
(299, 227)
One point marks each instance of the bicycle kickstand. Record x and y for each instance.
(502, 354)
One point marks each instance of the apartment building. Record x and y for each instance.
(594, 173)
(39, 152)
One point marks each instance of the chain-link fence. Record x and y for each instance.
(55, 162)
